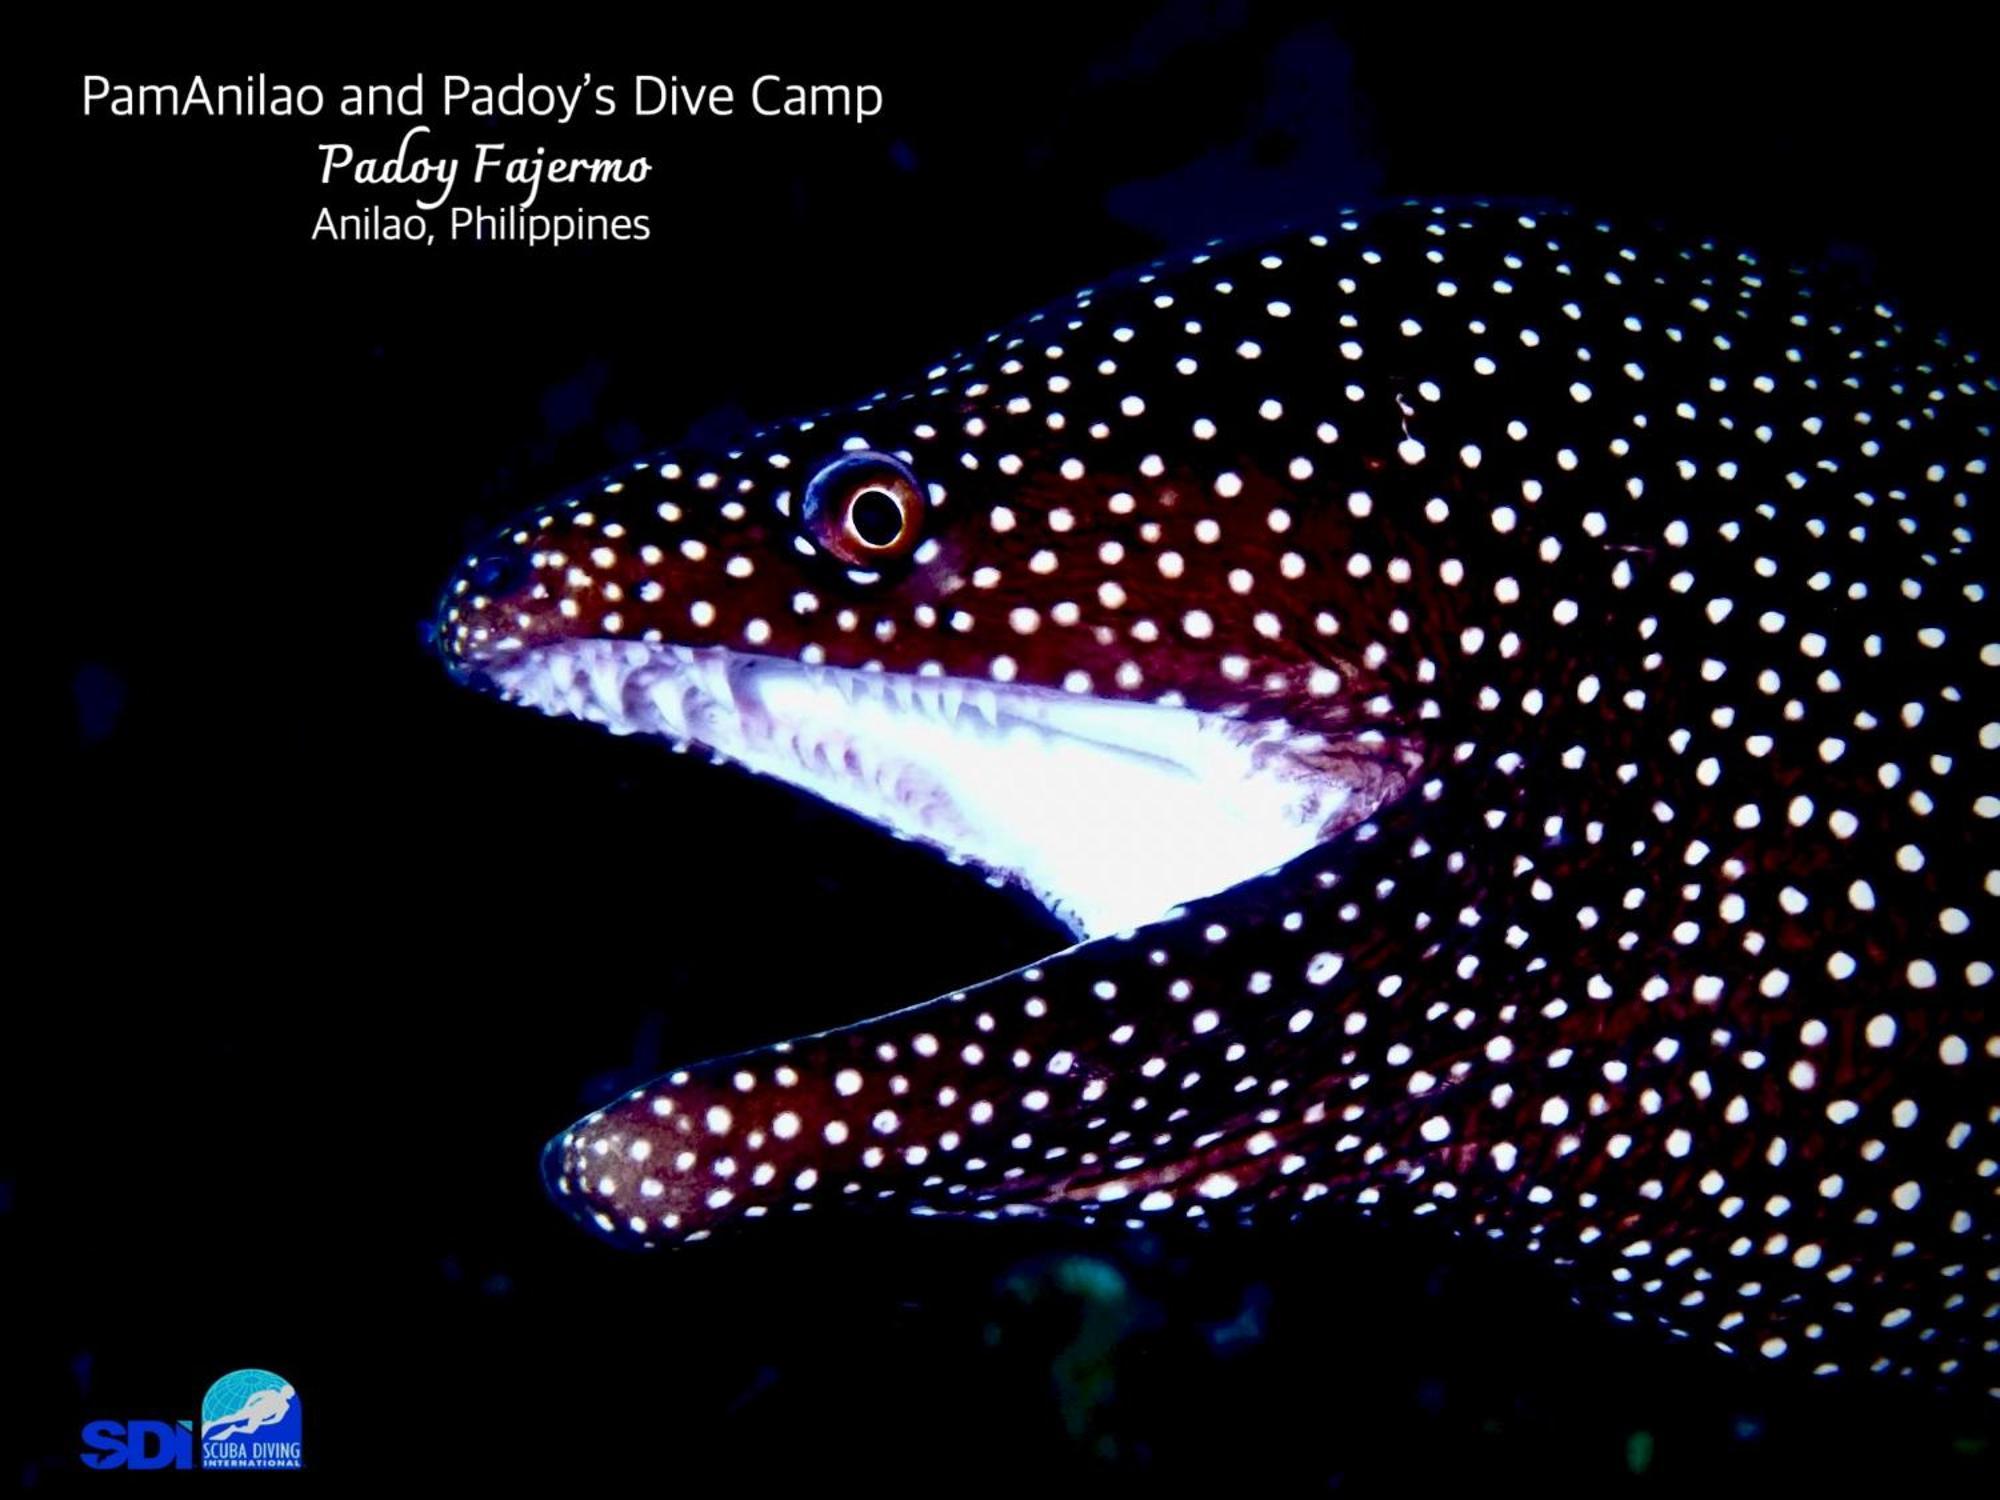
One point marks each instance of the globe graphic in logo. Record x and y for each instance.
(250, 1420)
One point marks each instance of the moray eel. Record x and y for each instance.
(1506, 702)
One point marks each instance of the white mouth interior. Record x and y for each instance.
(1113, 813)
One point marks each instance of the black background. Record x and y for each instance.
(313, 950)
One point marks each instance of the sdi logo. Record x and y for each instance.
(138, 1445)
(249, 1420)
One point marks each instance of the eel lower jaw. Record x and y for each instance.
(1113, 812)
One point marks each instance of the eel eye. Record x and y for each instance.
(865, 508)
(501, 573)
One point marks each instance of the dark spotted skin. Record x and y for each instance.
(1672, 961)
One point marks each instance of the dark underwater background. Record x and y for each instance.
(313, 950)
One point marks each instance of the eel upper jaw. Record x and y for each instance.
(1113, 812)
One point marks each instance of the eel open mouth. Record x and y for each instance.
(1113, 812)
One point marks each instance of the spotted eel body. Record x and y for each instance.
(1590, 626)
